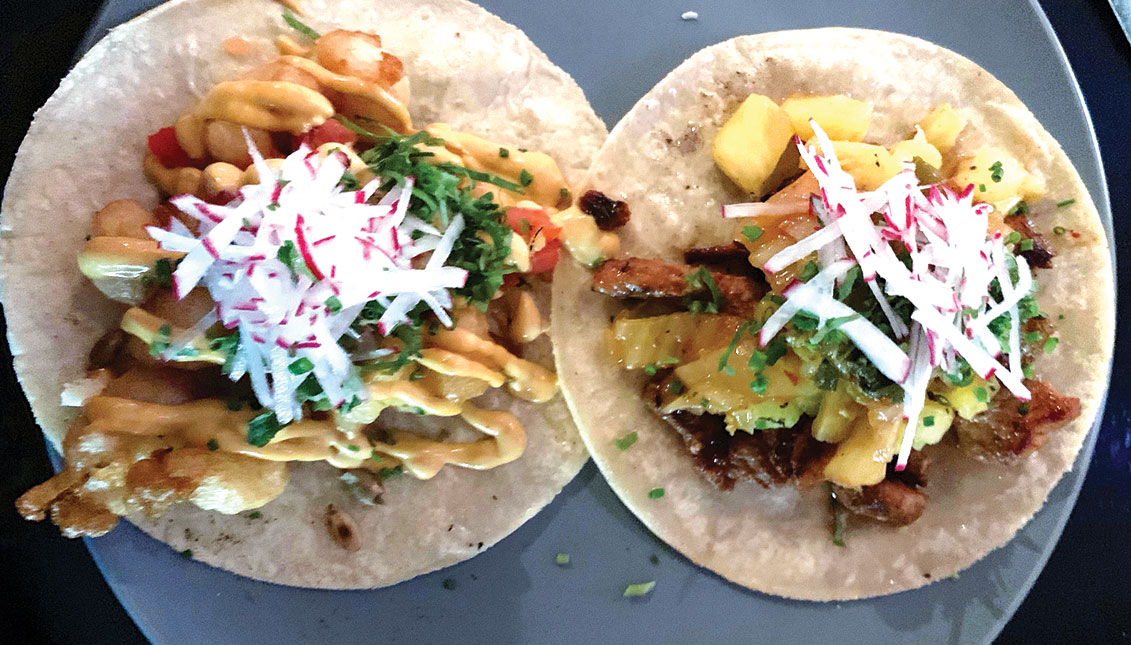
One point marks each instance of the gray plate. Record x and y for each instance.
(515, 592)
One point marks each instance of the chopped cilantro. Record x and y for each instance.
(759, 384)
(650, 369)
(826, 376)
(625, 442)
(262, 429)
(299, 26)
(213, 445)
(742, 329)
(1023, 409)
(562, 559)
(301, 365)
(353, 447)
(525, 177)
(699, 280)
(349, 181)
(389, 473)
(676, 387)
(289, 255)
(333, 304)
(982, 188)
(752, 233)
(928, 421)
(808, 271)
(187, 553)
(163, 273)
(1050, 344)
(639, 589)
(656, 493)
(504, 153)
(160, 342)
(996, 172)
(1067, 202)
(254, 515)
(1026, 245)
(1028, 371)
(848, 282)
(1032, 336)
(1059, 230)
(1021, 208)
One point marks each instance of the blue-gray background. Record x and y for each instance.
(1083, 594)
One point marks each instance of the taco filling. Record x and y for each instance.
(320, 272)
(876, 301)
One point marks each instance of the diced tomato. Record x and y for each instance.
(546, 258)
(332, 131)
(163, 144)
(535, 220)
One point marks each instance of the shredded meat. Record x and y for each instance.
(1041, 255)
(771, 457)
(1007, 430)
(890, 501)
(647, 278)
(609, 213)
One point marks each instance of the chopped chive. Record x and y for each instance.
(650, 369)
(928, 421)
(449, 583)
(639, 589)
(333, 305)
(353, 447)
(1023, 409)
(1067, 202)
(1028, 371)
(504, 153)
(1059, 230)
(982, 188)
(676, 387)
(1026, 245)
(213, 445)
(656, 493)
(254, 515)
(996, 171)
(299, 26)
(187, 553)
(625, 442)
(1013, 238)
(524, 177)
(562, 559)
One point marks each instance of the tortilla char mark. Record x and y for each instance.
(634, 277)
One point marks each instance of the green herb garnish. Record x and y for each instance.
(996, 171)
(262, 429)
(625, 442)
(752, 233)
(213, 445)
(160, 342)
(1050, 344)
(504, 153)
(656, 493)
(525, 177)
(1067, 202)
(299, 26)
(301, 365)
(639, 589)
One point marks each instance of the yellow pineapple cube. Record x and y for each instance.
(748, 146)
(840, 116)
(942, 126)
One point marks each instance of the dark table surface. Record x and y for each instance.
(56, 594)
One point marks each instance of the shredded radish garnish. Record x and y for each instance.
(954, 263)
(291, 261)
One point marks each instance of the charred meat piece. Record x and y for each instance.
(1041, 255)
(721, 254)
(890, 501)
(1011, 428)
(647, 278)
(609, 213)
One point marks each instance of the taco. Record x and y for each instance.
(302, 336)
(906, 271)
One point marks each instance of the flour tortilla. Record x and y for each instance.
(658, 159)
(467, 68)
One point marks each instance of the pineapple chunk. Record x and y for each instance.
(748, 146)
(669, 340)
(970, 400)
(722, 391)
(839, 116)
(917, 146)
(862, 458)
(982, 167)
(835, 419)
(870, 165)
(942, 126)
(940, 417)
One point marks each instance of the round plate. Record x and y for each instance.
(515, 592)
